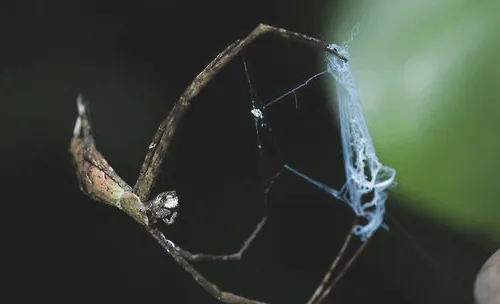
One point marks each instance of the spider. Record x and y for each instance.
(99, 181)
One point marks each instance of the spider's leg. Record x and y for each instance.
(211, 288)
(224, 257)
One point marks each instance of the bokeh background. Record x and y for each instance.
(427, 74)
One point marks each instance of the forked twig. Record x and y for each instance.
(99, 181)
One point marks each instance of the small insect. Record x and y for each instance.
(98, 180)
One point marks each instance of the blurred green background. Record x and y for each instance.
(132, 59)
(428, 74)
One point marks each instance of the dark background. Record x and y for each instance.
(131, 60)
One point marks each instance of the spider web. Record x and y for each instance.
(366, 177)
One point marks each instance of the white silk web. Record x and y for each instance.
(367, 179)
